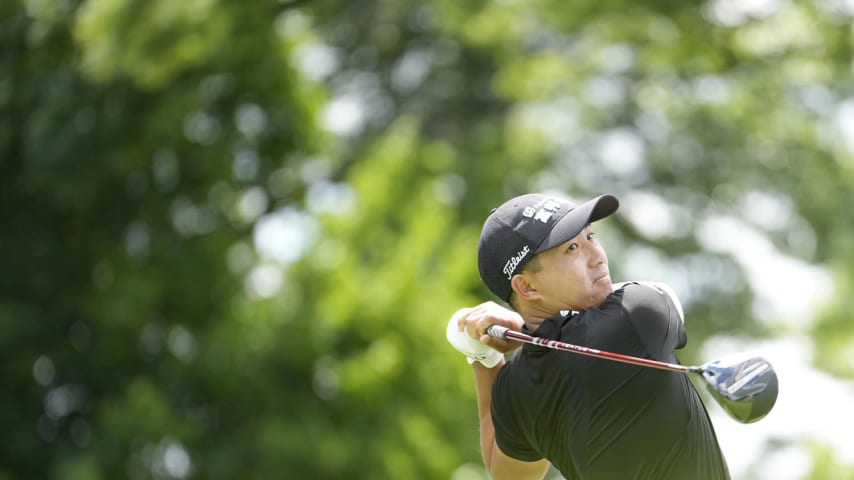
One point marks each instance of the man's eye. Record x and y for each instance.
(572, 246)
(591, 235)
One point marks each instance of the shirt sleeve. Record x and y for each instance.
(655, 318)
(509, 435)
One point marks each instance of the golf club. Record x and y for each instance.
(745, 387)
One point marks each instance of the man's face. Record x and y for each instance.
(574, 275)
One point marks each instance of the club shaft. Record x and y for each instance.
(498, 331)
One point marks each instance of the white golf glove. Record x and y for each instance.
(471, 348)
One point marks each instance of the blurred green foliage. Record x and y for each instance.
(233, 231)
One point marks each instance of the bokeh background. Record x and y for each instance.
(232, 232)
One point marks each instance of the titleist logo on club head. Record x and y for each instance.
(511, 264)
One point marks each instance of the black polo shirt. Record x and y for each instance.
(598, 419)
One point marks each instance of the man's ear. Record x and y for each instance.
(523, 288)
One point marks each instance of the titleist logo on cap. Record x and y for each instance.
(511, 264)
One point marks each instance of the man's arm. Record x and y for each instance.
(472, 324)
(657, 317)
(664, 289)
(499, 465)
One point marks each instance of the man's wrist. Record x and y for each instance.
(488, 359)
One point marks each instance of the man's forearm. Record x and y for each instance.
(484, 378)
(499, 465)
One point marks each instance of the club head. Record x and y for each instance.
(746, 387)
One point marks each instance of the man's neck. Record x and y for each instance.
(535, 315)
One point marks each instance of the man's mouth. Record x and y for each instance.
(602, 277)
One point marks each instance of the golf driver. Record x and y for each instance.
(745, 387)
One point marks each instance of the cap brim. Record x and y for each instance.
(574, 222)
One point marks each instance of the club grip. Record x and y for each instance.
(497, 331)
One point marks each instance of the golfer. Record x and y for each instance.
(591, 418)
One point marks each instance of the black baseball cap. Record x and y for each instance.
(527, 225)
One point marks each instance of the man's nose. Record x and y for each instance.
(596, 254)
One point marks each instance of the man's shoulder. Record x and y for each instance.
(628, 300)
(655, 313)
(641, 298)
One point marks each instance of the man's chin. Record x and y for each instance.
(603, 287)
(604, 282)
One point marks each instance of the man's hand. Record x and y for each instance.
(471, 348)
(467, 330)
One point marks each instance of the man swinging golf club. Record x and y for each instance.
(591, 418)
